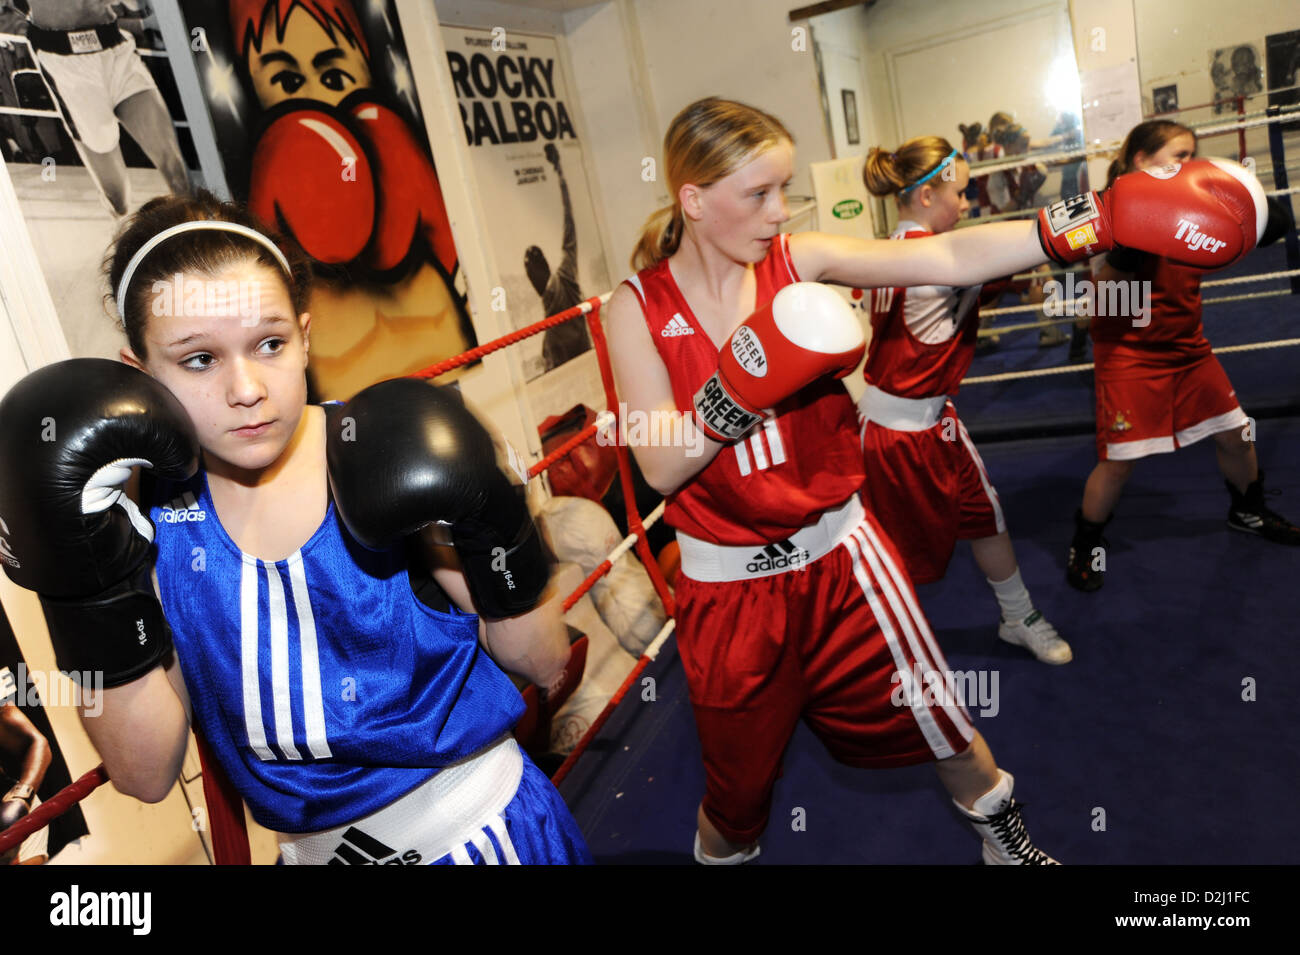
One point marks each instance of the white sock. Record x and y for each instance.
(1013, 598)
(997, 798)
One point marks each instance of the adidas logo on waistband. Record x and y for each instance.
(183, 509)
(782, 555)
(676, 326)
(357, 848)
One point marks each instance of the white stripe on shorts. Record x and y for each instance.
(984, 478)
(924, 650)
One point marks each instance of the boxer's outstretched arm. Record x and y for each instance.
(962, 257)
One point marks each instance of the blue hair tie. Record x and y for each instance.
(931, 174)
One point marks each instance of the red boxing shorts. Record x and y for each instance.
(837, 642)
(1162, 412)
(927, 487)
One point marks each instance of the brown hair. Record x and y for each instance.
(1149, 137)
(707, 141)
(249, 17)
(886, 173)
(206, 252)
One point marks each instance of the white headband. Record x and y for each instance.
(193, 226)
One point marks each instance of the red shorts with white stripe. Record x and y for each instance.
(928, 489)
(1158, 413)
(826, 643)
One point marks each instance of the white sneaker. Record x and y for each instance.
(1037, 636)
(740, 858)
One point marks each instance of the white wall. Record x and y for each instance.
(637, 63)
(1175, 44)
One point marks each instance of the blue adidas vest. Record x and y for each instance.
(325, 687)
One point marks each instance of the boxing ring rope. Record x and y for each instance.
(1088, 366)
(52, 808)
(1070, 304)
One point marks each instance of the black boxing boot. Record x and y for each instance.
(1248, 514)
(1085, 568)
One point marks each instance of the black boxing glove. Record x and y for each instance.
(69, 435)
(12, 809)
(1279, 223)
(404, 454)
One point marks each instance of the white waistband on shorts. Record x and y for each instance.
(714, 563)
(901, 414)
(431, 819)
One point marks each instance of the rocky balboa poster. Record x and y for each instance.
(518, 120)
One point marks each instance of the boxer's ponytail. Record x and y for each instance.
(707, 141)
(886, 173)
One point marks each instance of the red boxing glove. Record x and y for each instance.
(806, 331)
(312, 178)
(408, 192)
(1205, 214)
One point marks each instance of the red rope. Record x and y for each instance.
(634, 524)
(599, 722)
(52, 808)
(587, 584)
(474, 354)
(562, 450)
(225, 810)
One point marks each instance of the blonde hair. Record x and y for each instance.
(705, 142)
(886, 173)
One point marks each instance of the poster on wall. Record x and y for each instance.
(32, 768)
(1164, 99)
(1283, 51)
(316, 118)
(91, 127)
(1235, 71)
(528, 162)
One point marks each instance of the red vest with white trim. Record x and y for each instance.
(790, 468)
(923, 337)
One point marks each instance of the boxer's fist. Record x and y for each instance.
(1205, 213)
(11, 810)
(805, 332)
(69, 435)
(408, 195)
(311, 178)
(403, 454)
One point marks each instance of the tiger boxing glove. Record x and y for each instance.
(403, 454)
(69, 435)
(1204, 214)
(806, 331)
(312, 179)
(407, 192)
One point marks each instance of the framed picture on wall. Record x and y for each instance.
(850, 99)
(1164, 99)
(1283, 61)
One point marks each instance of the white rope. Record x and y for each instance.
(1089, 366)
(1038, 307)
(652, 651)
(994, 330)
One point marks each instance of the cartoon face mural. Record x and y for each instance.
(337, 163)
(307, 50)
